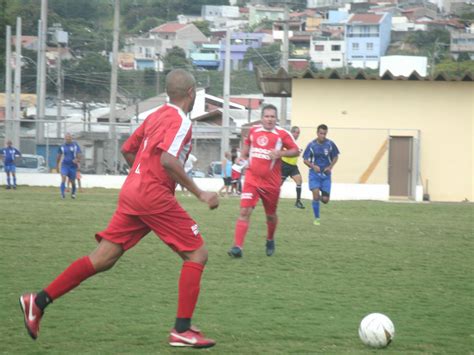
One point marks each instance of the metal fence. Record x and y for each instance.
(365, 153)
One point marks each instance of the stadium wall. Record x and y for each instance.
(339, 192)
(363, 114)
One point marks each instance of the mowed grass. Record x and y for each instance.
(413, 262)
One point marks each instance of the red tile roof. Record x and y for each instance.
(299, 65)
(170, 27)
(25, 40)
(365, 18)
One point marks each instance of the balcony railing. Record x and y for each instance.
(363, 35)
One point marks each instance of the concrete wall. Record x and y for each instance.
(357, 112)
(340, 191)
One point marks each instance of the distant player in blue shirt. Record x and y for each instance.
(69, 156)
(320, 156)
(9, 154)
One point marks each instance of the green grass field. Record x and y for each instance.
(413, 262)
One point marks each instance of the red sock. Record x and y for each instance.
(188, 289)
(271, 227)
(77, 272)
(241, 228)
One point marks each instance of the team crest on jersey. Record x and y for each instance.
(195, 229)
(262, 141)
(326, 151)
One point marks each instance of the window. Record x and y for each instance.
(355, 46)
(335, 47)
(319, 47)
(369, 46)
(335, 60)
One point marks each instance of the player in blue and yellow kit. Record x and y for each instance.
(9, 154)
(320, 156)
(70, 153)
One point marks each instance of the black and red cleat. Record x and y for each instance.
(190, 338)
(32, 314)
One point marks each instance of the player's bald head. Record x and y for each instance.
(178, 83)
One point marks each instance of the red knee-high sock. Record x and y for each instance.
(188, 289)
(271, 227)
(77, 272)
(241, 228)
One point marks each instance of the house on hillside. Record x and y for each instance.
(214, 12)
(27, 42)
(367, 38)
(172, 34)
(462, 42)
(206, 56)
(259, 13)
(240, 42)
(328, 52)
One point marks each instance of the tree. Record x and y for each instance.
(147, 24)
(266, 56)
(89, 75)
(176, 58)
(203, 26)
(424, 40)
(453, 68)
(463, 57)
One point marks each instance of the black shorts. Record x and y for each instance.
(288, 170)
(227, 181)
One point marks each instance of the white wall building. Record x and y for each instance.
(211, 12)
(403, 65)
(402, 24)
(327, 53)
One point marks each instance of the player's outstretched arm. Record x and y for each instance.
(176, 171)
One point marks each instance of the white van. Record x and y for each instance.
(29, 163)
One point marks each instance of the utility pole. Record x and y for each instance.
(8, 84)
(225, 107)
(113, 87)
(41, 74)
(17, 113)
(284, 63)
(59, 80)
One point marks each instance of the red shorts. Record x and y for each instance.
(251, 194)
(173, 226)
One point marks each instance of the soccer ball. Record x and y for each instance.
(376, 330)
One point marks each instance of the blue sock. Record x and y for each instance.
(14, 180)
(73, 191)
(63, 188)
(8, 180)
(316, 208)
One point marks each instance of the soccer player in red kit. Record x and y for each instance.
(156, 151)
(263, 147)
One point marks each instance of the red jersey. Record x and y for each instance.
(263, 171)
(148, 188)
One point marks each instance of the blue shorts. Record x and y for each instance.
(69, 171)
(320, 181)
(10, 168)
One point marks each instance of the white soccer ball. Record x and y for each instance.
(376, 330)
